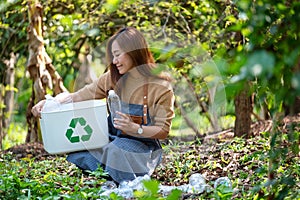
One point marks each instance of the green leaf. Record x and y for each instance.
(232, 89)
(175, 194)
(112, 5)
(140, 194)
(152, 186)
(67, 21)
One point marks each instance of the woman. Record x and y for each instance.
(147, 110)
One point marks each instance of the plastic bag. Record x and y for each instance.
(197, 184)
(53, 104)
(223, 181)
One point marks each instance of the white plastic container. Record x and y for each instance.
(75, 127)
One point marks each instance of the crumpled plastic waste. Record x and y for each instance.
(125, 188)
(197, 185)
(53, 104)
(223, 181)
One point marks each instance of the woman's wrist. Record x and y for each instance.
(64, 97)
(136, 128)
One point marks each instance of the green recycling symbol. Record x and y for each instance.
(87, 128)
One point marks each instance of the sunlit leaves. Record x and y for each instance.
(273, 28)
(244, 161)
(192, 32)
(50, 178)
(111, 5)
(6, 3)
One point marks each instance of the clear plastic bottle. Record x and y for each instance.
(114, 104)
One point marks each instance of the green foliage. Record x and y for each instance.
(248, 160)
(177, 30)
(223, 192)
(270, 51)
(15, 135)
(268, 57)
(151, 192)
(246, 163)
(195, 32)
(55, 179)
(221, 45)
(13, 30)
(281, 169)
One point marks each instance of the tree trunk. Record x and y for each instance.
(243, 110)
(40, 69)
(9, 90)
(85, 75)
(8, 98)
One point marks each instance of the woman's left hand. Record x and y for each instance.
(125, 123)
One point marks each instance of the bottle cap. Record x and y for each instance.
(110, 92)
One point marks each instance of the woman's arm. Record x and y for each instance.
(131, 128)
(37, 109)
(60, 98)
(162, 115)
(95, 90)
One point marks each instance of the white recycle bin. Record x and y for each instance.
(75, 127)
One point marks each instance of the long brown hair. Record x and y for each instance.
(133, 43)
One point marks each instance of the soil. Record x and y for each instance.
(29, 150)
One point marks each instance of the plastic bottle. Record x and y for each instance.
(114, 104)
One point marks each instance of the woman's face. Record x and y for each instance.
(121, 59)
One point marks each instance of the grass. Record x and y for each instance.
(244, 162)
(181, 129)
(53, 178)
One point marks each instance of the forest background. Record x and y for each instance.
(234, 64)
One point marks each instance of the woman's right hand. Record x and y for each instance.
(36, 110)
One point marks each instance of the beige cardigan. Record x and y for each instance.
(160, 95)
